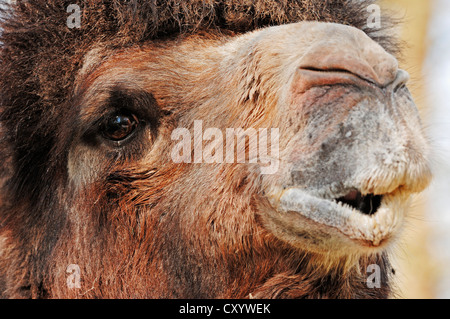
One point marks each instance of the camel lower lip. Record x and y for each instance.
(369, 230)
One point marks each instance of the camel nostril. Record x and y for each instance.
(344, 58)
(344, 72)
(400, 80)
(308, 77)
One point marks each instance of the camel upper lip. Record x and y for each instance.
(367, 219)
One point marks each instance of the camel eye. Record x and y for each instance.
(119, 127)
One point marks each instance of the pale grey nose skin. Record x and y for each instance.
(345, 54)
(363, 135)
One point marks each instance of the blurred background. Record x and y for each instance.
(423, 256)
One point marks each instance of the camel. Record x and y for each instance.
(121, 128)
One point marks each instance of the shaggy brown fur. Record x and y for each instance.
(163, 230)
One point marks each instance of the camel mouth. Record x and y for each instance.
(366, 204)
(367, 220)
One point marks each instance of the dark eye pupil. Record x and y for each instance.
(119, 127)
